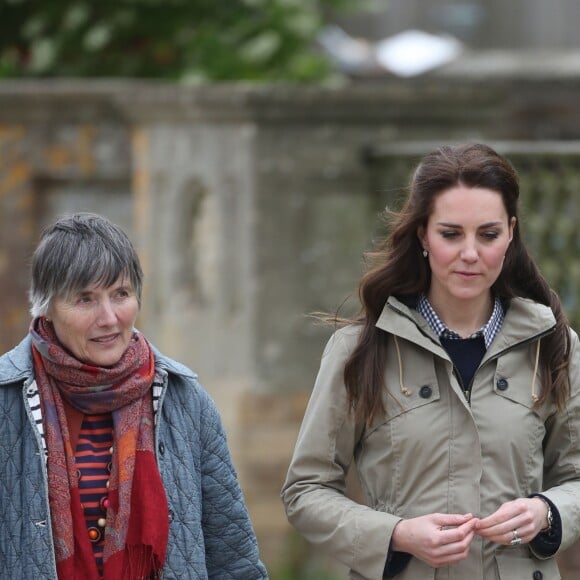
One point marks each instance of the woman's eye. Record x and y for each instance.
(490, 235)
(449, 234)
(84, 300)
(122, 293)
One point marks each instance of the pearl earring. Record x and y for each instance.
(425, 253)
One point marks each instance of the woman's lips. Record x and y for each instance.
(105, 339)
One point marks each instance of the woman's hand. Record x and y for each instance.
(437, 539)
(524, 516)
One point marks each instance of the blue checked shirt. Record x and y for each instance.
(489, 330)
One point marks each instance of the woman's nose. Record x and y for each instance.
(469, 252)
(106, 314)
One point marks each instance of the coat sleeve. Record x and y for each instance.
(562, 456)
(230, 544)
(314, 491)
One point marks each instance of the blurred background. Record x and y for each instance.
(249, 149)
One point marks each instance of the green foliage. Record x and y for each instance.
(187, 40)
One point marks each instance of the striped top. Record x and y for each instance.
(33, 400)
(93, 456)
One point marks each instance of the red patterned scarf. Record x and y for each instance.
(137, 525)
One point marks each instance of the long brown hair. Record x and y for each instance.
(398, 269)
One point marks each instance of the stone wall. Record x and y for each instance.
(58, 153)
(250, 207)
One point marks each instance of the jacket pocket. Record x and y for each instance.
(514, 380)
(514, 564)
(416, 401)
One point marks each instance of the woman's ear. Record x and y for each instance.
(513, 221)
(421, 236)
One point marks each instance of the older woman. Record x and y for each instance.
(114, 460)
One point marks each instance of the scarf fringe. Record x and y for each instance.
(141, 564)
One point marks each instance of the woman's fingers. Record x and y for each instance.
(437, 539)
(514, 522)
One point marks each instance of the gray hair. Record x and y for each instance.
(78, 251)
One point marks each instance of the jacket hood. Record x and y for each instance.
(524, 319)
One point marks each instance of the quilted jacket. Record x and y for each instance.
(210, 533)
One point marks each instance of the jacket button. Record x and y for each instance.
(537, 575)
(425, 392)
(161, 448)
(502, 384)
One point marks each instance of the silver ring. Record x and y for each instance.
(516, 539)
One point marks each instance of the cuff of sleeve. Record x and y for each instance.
(396, 563)
(546, 544)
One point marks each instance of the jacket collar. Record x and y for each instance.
(524, 321)
(400, 319)
(171, 366)
(16, 365)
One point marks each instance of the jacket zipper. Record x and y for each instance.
(466, 392)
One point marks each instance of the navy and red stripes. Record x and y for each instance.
(93, 455)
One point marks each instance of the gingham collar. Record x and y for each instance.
(489, 330)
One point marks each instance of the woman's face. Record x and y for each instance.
(467, 236)
(96, 325)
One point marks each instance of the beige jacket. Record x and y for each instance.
(432, 451)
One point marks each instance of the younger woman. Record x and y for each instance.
(455, 392)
